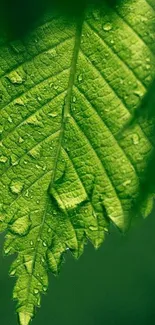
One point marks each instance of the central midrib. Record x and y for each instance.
(67, 100)
(65, 114)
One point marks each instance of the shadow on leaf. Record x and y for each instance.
(18, 17)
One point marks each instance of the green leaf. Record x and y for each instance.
(68, 171)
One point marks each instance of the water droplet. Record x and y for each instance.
(7, 250)
(9, 119)
(112, 41)
(80, 77)
(44, 288)
(147, 59)
(12, 272)
(107, 27)
(31, 242)
(27, 193)
(20, 140)
(16, 186)
(14, 160)
(15, 78)
(39, 99)
(19, 101)
(55, 87)
(21, 226)
(121, 81)
(135, 138)
(74, 99)
(44, 167)
(94, 214)
(36, 291)
(93, 228)
(127, 182)
(38, 301)
(3, 159)
(53, 114)
(44, 244)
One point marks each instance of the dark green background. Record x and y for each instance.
(112, 286)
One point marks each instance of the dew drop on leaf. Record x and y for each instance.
(107, 27)
(20, 140)
(36, 291)
(135, 139)
(38, 301)
(7, 250)
(53, 114)
(3, 159)
(12, 272)
(26, 193)
(14, 160)
(80, 77)
(148, 66)
(39, 99)
(45, 288)
(93, 228)
(94, 214)
(127, 182)
(19, 101)
(9, 119)
(74, 99)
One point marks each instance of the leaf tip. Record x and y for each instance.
(24, 318)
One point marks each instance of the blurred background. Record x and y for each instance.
(114, 285)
